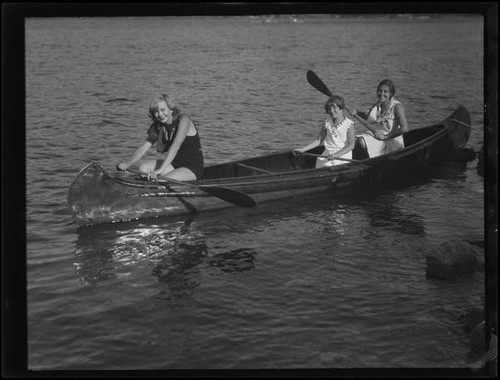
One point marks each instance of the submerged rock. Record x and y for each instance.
(452, 261)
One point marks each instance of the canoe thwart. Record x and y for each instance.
(239, 164)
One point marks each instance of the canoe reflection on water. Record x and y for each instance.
(182, 271)
(386, 215)
(172, 248)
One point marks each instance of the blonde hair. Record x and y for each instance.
(171, 104)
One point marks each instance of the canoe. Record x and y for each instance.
(97, 196)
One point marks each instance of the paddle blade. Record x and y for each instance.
(317, 83)
(229, 195)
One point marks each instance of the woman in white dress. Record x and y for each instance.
(336, 135)
(382, 131)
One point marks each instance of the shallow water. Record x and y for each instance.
(308, 283)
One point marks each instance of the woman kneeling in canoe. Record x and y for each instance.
(385, 124)
(336, 135)
(174, 134)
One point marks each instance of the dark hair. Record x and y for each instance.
(153, 106)
(389, 83)
(335, 99)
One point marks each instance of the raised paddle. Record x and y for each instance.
(229, 195)
(317, 83)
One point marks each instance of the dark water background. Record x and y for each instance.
(311, 283)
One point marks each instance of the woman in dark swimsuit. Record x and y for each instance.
(176, 136)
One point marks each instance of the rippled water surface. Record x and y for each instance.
(308, 283)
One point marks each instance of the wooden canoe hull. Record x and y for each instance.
(96, 196)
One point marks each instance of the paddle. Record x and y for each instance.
(317, 83)
(229, 195)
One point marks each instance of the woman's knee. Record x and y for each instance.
(147, 166)
(182, 174)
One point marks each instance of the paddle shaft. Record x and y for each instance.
(229, 195)
(367, 161)
(336, 158)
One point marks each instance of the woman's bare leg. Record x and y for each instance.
(180, 174)
(150, 165)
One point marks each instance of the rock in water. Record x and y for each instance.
(451, 261)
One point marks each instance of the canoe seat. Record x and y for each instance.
(253, 169)
(360, 151)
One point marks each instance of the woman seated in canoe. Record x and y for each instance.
(175, 135)
(382, 131)
(336, 135)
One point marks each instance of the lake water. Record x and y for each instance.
(311, 283)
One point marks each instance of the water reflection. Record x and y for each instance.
(384, 213)
(178, 253)
(386, 207)
(183, 270)
(104, 252)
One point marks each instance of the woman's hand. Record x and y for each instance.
(296, 152)
(152, 176)
(122, 167)
(379, 135)
(331, 157)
